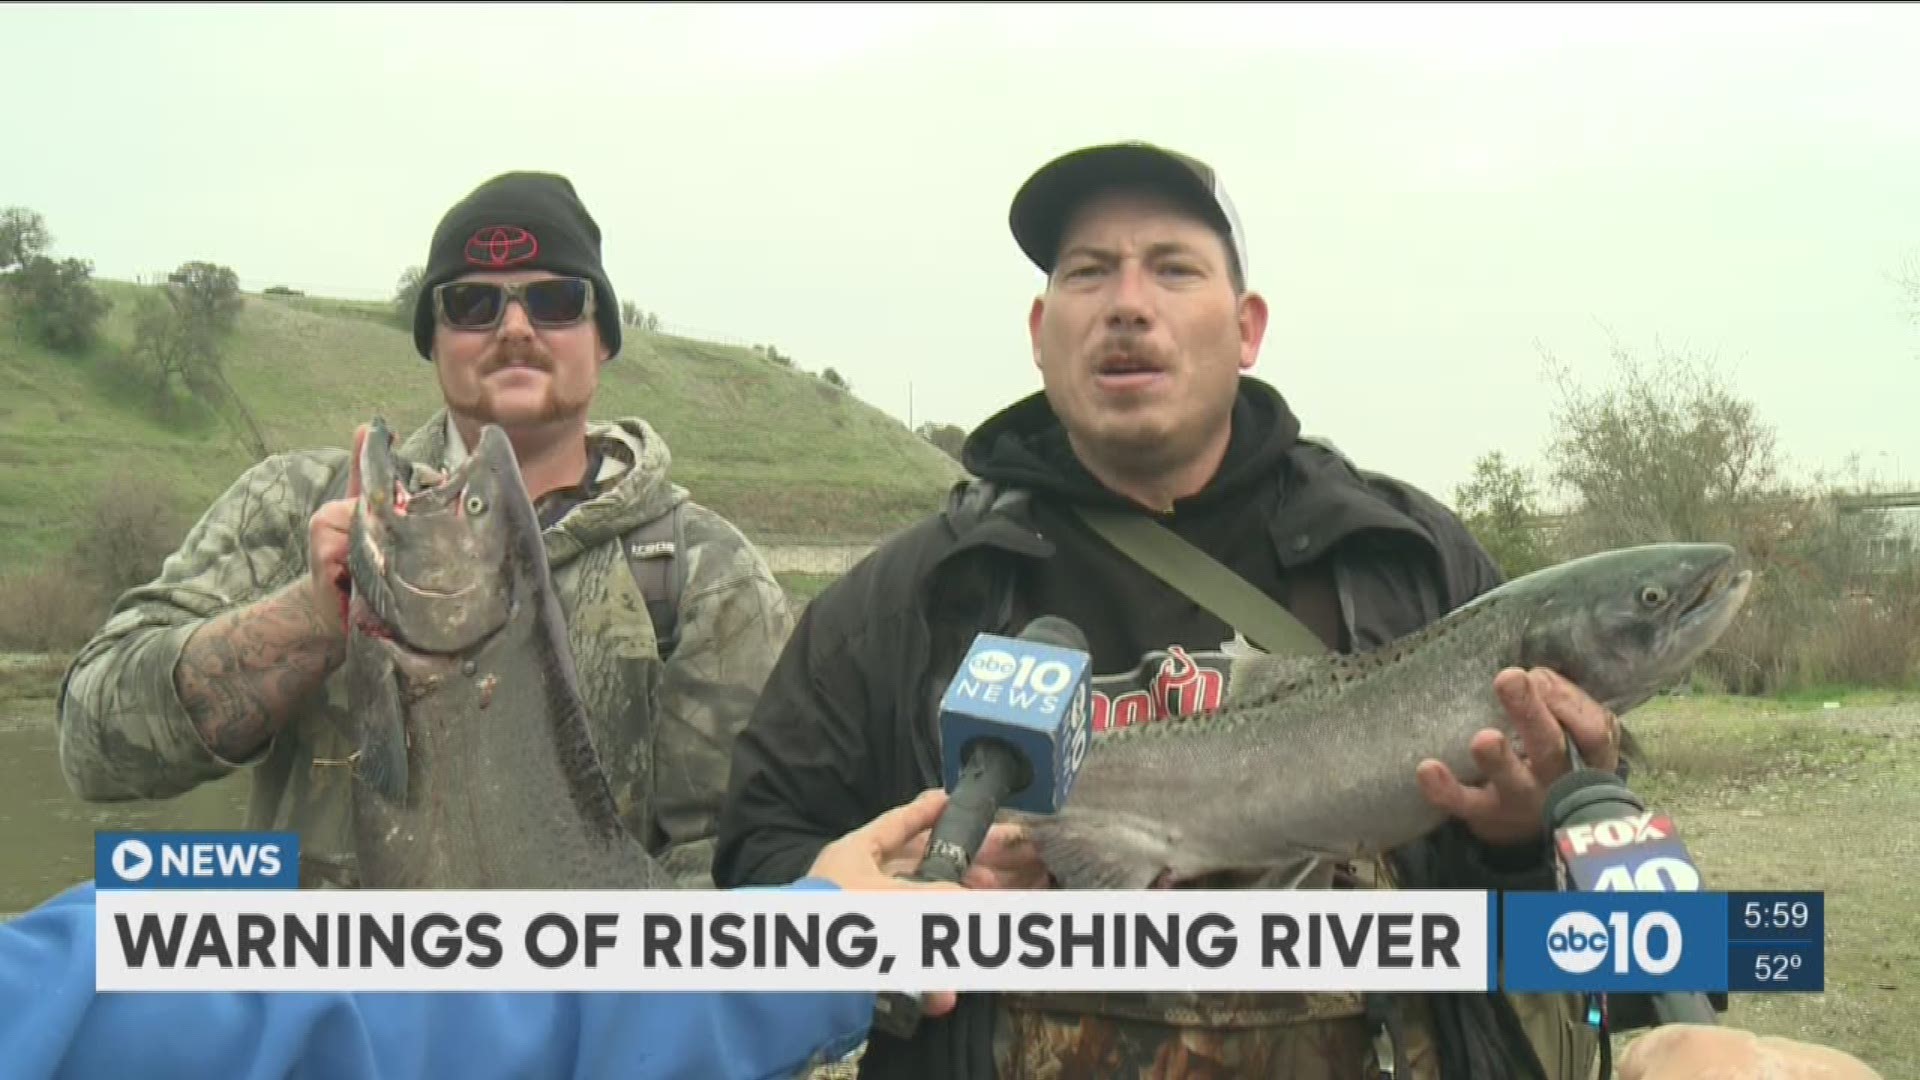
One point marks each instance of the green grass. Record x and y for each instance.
(29, 681)
(805, 587)
(780, 452)
(1816, 697)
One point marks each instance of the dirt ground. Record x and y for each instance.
(1799, 795)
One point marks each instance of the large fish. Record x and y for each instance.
(1310, 760)
(475, 767)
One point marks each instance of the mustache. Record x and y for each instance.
(1117, 349)
(517, 354)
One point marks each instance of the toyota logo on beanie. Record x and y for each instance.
(517, 221)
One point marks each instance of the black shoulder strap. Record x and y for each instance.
(654, 555)
(1258, 617)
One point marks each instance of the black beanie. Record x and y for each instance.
(517, 221)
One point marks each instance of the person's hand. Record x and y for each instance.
(1544, 708)
(329, 534)
(1008, 859)
(869, 858)
(1705, 1052)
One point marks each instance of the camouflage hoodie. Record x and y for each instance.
(124, 733)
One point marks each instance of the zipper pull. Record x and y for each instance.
(1382, 1052)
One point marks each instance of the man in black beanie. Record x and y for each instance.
(230, 658)
(533, 367)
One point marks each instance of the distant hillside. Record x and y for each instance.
(781, 452)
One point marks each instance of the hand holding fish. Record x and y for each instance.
(1545, 709)
(1316, 759)
(1008, 859)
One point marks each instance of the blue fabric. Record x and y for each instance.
(52, 1024)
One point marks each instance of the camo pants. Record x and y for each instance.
(1181, 1036)
(1314, 1037)
(1214, 1036)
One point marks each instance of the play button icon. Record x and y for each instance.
(132, 860)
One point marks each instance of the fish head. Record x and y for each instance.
(1624, 624)
(431, 564)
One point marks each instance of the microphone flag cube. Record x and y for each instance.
(1638, 852)
(1032, 696)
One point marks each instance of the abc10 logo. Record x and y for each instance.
(1580, 942)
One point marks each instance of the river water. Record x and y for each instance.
(46, 832)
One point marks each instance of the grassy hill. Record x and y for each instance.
(781, 452)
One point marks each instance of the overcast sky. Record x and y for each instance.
(1433, 196)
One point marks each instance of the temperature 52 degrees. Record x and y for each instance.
(1795, 967)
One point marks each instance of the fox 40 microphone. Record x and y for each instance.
(1606, 840)
(1015, 724)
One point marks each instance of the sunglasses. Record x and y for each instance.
(479, 305)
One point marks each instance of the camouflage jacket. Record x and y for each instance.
(123, 733)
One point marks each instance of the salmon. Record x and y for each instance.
(475, 766)
(1312, 760)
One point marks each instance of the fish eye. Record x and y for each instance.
(475, 504)
(1653, 595)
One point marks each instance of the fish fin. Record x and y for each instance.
(1084, 850)
(1261, 675)
(1294, 873)
(1630, 748)
(1283, 874)
(381, 760)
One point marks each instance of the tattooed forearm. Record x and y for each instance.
(242, 672)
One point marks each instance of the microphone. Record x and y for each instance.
(1014, 728)
(1606, 840)
(1015, 724)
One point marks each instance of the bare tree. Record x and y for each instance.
(1670, 453)
(179, 337)
(1909, 282)
(1667, 453)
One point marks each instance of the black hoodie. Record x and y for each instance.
(846, 725)
(1154, 649)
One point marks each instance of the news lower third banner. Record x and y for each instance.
(1657, 942)
(223, 912)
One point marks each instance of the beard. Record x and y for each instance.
(511, 407)
(1158, 432)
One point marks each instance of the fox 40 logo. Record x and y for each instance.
(1638, 853)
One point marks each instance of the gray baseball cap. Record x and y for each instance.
(1044, 204)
